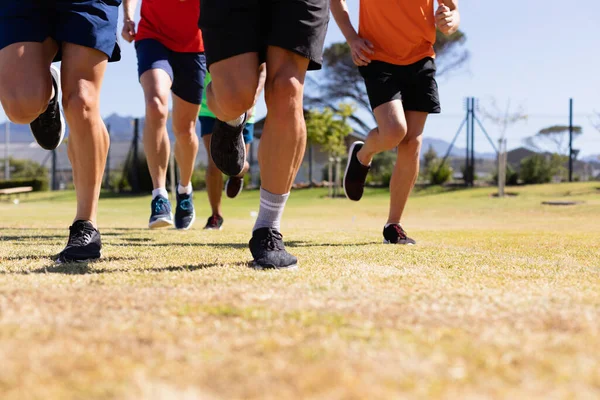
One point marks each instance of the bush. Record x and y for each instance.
(539, 168)
(439, 172)
(38, 185)
(382, 168)
(512, 176)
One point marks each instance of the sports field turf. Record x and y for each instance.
(500, 299)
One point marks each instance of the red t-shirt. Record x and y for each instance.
(174, 23)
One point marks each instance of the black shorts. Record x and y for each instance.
(413, 84)
(187, 70)
(234, 27)
(88, 23)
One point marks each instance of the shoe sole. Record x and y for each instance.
(190, 225)
(258, 267)
(161, 223)
(404, 244)
(238, 192)
(348, 167)
(58, 261)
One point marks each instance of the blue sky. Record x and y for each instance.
(537, 54)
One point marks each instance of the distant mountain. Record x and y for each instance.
(441, 147)
(121, 129)
(593, 158)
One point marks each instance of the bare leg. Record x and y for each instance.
(186, 144)
(391, 129)
(83, 71)
(214, 181)
(26, 87)
(157, 84)
(235, 86)
(406, 170)
(284, 137)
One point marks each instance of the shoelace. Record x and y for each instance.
(185, 205)
(400, 232)
(80, 235)
(160, 205)
(273, 241)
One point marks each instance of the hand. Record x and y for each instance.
(447, 20)
(128, 32)
(361, 48)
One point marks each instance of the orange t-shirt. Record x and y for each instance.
(402, 31)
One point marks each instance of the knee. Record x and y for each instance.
(185, 132)
(411, 145)
(283, 89)
(81, 103)
(157, 109)
(234, 99)
(23, 108)
(393, 133)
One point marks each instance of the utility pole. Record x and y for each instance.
(570, 140)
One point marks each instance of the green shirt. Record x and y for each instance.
(204, 110)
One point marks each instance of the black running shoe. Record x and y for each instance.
(84, 244)
(160, 214)
(184, 213)
(214, 223)
(394, 234)
(269, 252)
(234, 186)
(356, 174)
(49, 128)
(227, 147)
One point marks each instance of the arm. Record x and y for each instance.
(128, 32)
(447, 16)
(360, 47)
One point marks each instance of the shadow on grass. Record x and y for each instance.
(290, 244)
(90, 268)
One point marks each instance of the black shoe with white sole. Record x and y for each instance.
(49, 128)
(394, 234)
(234, 186)
(84, 244)
(269, 252)
(356, 174)
(227, 147)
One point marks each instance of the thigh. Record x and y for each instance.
(236, 74)
(24, 69)
(420, 89)
(82, 72)
(381, 83)
(415, 123)
(230, 28)
(391, 117)
(184, 114)
(151, 55)
(300, 26)
(89, 23)
(189, 71)
(286, 64)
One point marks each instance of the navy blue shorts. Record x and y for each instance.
(187, 70)
(89, 23)
(207, 124)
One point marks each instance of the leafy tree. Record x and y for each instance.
(428, 157)
(25, 169)
(342, 82)
(540, 168)
(555, 136)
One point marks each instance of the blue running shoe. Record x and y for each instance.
(184, 213)
(161, 215)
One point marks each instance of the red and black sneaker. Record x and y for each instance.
(394, 234)
(214, 223)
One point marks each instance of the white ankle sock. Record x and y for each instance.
(160, 192)
(184, 189)
(236, 122)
